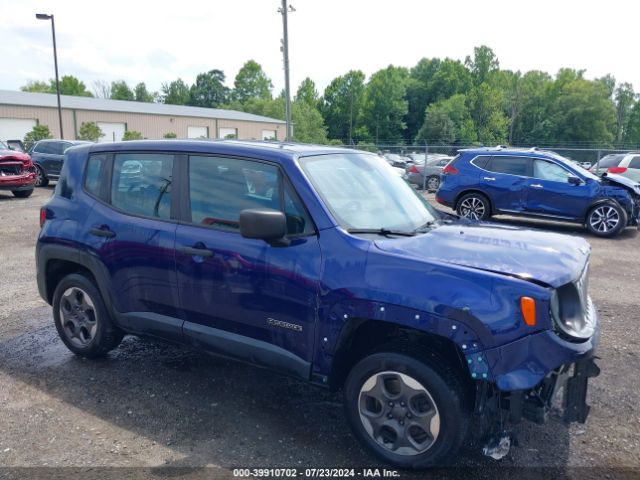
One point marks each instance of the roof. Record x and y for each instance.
(11, 97)
(502, 150)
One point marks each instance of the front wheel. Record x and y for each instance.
(22, 193)
(41, 178)
(409, 412)
(606, 220)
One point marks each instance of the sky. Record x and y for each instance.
(159, 41)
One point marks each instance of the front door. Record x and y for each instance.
(550, 193)
(243, 297)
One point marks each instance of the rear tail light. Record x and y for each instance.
(450, 170)
(528, 309)
(43, 216)
(617, 170)
(413, 169)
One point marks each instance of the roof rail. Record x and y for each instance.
(533, 149)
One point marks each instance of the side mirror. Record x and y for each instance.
(574, 180)
(265, 224)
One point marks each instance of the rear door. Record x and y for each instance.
(505, 181)
(243, 297)
(550, 193)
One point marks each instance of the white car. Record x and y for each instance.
(623, 160)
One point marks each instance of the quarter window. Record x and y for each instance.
(549, 171)
(142, 184)
(509, 165)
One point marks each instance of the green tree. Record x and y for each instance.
(385, 106)
(251, 82)
(341, 107)
(448, 121)
(175, 93)
(90, 131)
(483, 64)
(625, 99)
(632, 132)
(121, 91)
(37, 86)
(132, 135)
(531, 125)
(70, 85)
(307, 93)
(38, 132)
(308, 124)
(170, 135)
(142, 94)
(209, 90)
(485, 105)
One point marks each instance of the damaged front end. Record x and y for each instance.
(633, 188)
(17, 171)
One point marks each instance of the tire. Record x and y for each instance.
(41, 178)
(22, 193)
(81, 318)
(606, 219)
(474, 206)
(440, 396)
(433, 183)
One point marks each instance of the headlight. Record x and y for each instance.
(572, 312)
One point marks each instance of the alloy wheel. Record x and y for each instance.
(78, 315)
(433, 183)
(39, 177)
(472, 208)
(399, 413)
(604, 219)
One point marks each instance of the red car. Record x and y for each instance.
(17, 172)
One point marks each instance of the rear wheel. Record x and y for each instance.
(22, 193)
(433, 183)
(606, 220)
(81, 318)
(409, 412)
(41, 178)
(474, 206)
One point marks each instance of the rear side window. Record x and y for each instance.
(635, 162)
(220, 188)
(611, 161)
(94, 178)
(141, 184)
(509, 165)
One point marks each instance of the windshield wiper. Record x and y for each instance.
(381, 231)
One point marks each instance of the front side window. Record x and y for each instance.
(509, 165)
(550, 171)
(142, 184)
(58, 148)
(364, 193)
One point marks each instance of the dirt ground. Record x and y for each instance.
(157, 410)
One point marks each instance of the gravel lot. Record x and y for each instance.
(151, 407)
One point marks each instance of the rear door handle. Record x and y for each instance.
(491, 179)
(197, 252)
(536, 185)
(102, 232)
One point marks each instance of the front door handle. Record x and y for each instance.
(491, 179)
(102, 231)
(536, 185)
(196, 252)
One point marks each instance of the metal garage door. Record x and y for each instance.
(15, 128)
(113, 132)
(197, 132)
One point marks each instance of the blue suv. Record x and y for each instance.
(482, 182)
(323, 264)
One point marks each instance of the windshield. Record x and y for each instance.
(363, 192)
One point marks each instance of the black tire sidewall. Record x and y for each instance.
(621, 225)
(100, 344)
(483, 198)
(22, 193)
(447, 397)
(433, 177)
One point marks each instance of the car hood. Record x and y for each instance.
(624, 181)
(548, 258)
(13, 155)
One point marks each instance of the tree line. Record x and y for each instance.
(437, 101)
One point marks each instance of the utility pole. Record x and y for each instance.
(285, 53)
(44, 16)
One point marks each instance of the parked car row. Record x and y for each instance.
(483, 182)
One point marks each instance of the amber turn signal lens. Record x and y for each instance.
(528, 309)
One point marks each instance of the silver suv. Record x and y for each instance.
(626, 160)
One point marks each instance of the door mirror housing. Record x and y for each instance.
(574, 180)
(266, 224)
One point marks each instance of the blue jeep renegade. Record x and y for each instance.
(482, 182)
(323, 264)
